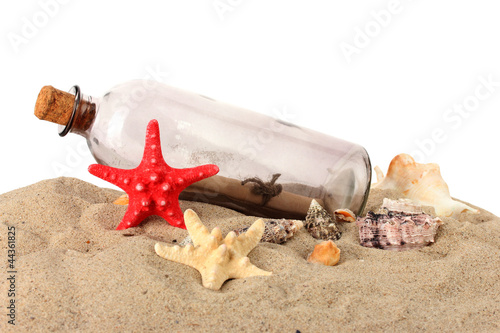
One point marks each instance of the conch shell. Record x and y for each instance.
(421, 183)
(326, 253)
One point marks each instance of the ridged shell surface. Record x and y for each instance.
(405, 228)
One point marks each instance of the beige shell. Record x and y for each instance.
(421, 183)
(326, 253)
(217, 259)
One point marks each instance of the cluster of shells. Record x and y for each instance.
(318, 222)
(276, 231)
(397, 226)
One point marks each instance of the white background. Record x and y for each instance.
(379, 73)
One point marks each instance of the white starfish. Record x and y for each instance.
(217, 259)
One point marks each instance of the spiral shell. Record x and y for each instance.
(320, 223)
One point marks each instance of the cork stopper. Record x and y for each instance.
(54, 105)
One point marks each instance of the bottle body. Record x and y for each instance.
(246, 146)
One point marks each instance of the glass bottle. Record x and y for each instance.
(268, 167)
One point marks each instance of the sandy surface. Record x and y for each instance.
(76, 273)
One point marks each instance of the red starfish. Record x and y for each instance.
(153, 187)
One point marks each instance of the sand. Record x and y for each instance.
(76, 273)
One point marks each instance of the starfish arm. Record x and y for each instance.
(153, 156)
(119, 177)
(183, 255)
(213, 277)
(133, 216)
(198, 232)
(230, 239)
(193, 175)
(217, 234)
(244, 268)
(220, 256)
(152, 147)
(173, 215)
(248, 240)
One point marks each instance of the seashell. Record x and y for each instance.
(122, 200)
(276, 231)
(344, 215)
(320, 223)
(326, 253)
(217, 259)
(422, 183)
(399, 225)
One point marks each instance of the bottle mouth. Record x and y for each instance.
(63, 130)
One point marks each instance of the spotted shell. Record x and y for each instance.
(320, 223)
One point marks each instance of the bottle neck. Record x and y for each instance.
(82, 116)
